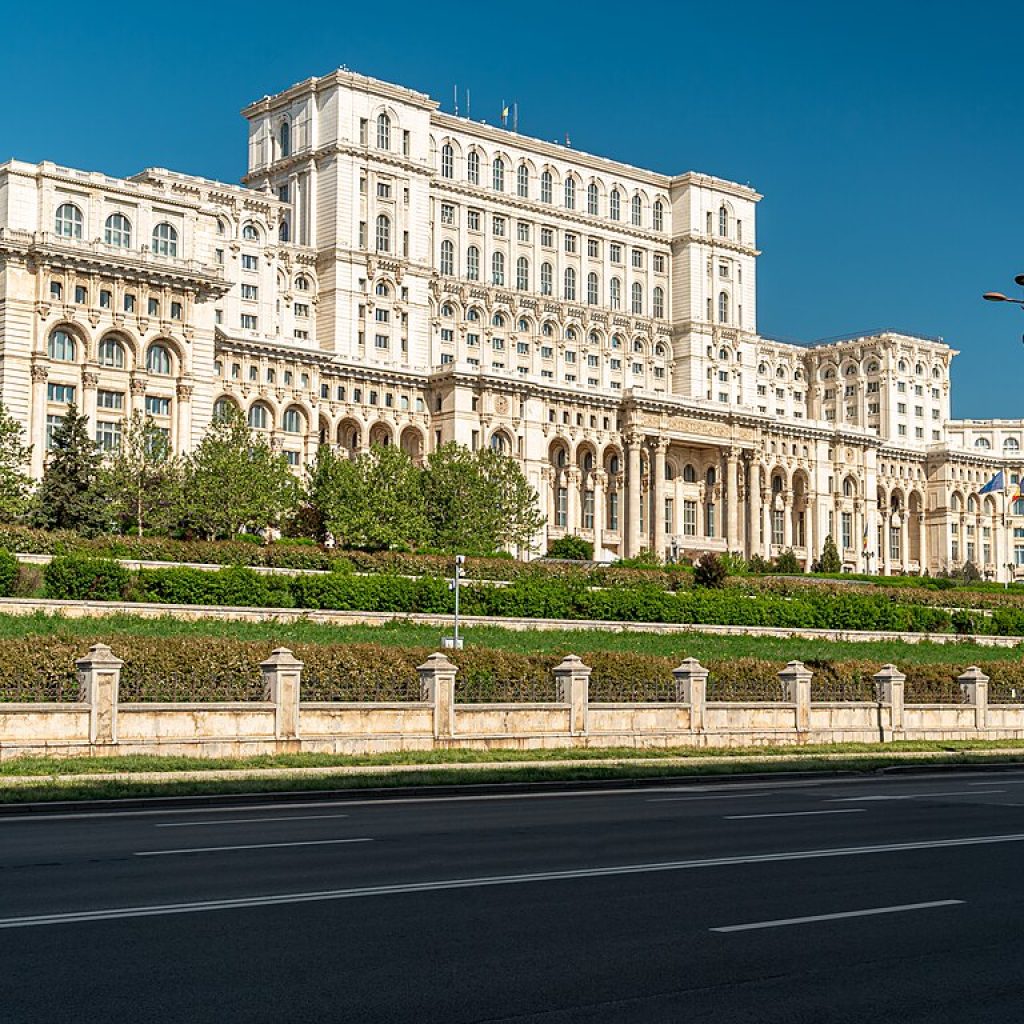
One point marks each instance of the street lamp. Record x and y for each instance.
(867, 556)
(1000, 297)
(455, 642)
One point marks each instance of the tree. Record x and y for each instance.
(69, 496)
(233, 480)
(374, 502)
(15, 482)
(574, 548)
(789, 564)
(142, 478)
(830, 562)
(478, 502)
(710, 570)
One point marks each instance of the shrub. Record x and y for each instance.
(830, 560)
(8, 573)
(788, 563)
(575, 548)
(75, 578)
(709, 570)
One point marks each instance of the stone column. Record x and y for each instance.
(437, 687)
(573, 518)
(547, 500)
(691, 688)
(183, 421)
(810, 531)
(573, 680)
(658, 488)
(90, 381)
(600, 478)
(886, 553)
(787, 520)
(282, 686)
(796, 687)
(889, 682)
(136, 397)
(37, 427)
(974, 685)
(99, 680)
(766, 522)
(753, 512)
(632, 533)
(732, 499)
(905, 540)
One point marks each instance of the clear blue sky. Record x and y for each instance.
(886, 137)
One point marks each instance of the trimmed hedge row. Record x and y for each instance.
(531, 596)
(199, 669)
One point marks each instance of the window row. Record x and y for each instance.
(111, 353)
(69, 223)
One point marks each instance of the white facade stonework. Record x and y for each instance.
(393, 274)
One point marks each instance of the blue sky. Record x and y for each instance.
(885, 137)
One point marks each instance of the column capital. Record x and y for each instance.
(40, 372)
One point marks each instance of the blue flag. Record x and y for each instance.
(997, 483)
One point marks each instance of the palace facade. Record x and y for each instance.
(389, 273)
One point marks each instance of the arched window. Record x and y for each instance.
(1011, 444)
(592, 296)
(498, 268)
(498, 320)
(919, 369)
(849, 488)
(972, 503)
(61, 346)
(570, 283)
(689, 474)
(658, 302)
(548, 329)
(902, 366)
(283, 232)
(118, 231)
(636, 211)
(570, 193)
(498, 174)
(448, 310)
(111, 353)
(982, 442)
(68, 222)
(448, 258)
(383, 233)
(165, 240)
(158, 360)
(250, 233)
(473, 263)
(545, 279)
(523, 274)
(710, 476)
(223, 409)
(723, 353)
(499, 442)
(302, 284)
(723, 221)
(615, 293)
(659, 215)
(592, 199)
(285, 138)
(473, 168)
(524, 325)
(447, 161)
(382, 289)
(637, 298)
(545, 187)
(523, 181)
(293, 421)
(723, 308)
(614, 205)
(383, 131)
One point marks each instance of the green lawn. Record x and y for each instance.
(580, 641)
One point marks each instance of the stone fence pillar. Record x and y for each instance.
(573, 679)
(691, 688)
(282, 685)
(99, 680)
(437, 687)
(974, 684)
(796, 688)
(889, 682)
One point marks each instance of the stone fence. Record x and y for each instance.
(99, 723)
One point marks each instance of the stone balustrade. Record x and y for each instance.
(282, 722)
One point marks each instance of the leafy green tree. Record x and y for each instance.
(69, 496)
(233, 480)
(789, 564)
(374, 502)
(830, 562)
(142, 478)
(575, 548)
(15, 482)
(478, 502)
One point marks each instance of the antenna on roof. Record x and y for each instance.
(455, 89)
(515, 116)
(467, 103)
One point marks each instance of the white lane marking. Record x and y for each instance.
(911, 796)
(786, 921)
(245, 821)
(791, 814)
(716, 796)
(1004, 782)
(248, 846)
(245, 902)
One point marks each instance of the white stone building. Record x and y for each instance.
(393, 274)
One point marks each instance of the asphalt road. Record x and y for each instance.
(889, 899)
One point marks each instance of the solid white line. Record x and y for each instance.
(249, 846)
(791, 814)
(245, 821)
(786, 921)
(246, 902)
(715, 796)
(911, 796)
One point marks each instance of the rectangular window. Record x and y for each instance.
(615, 252)
(447, 213)
(106, 299)
(638, 259)
(108, 435)
(669, 515)
(249, 322)
(523, 231)
(474, 220)
(778, 526)
(301, 309)
(109, 399)
(175, 310)
(55, 291)
(154, 307)
(847, 526)
(250, 291)
(129, 303)
(498, 227)
(588, 510)
(593, 248)
(62, 393)
(382, 316)
(570, 242)
(562, 507)
(80, 294)
(689, 518)
(709, 521)
(522, 348)
(383, 190)
(250, 262)
(547, 238)
(613, 510)
(381, 341)
(158, 406)
(659, 263)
